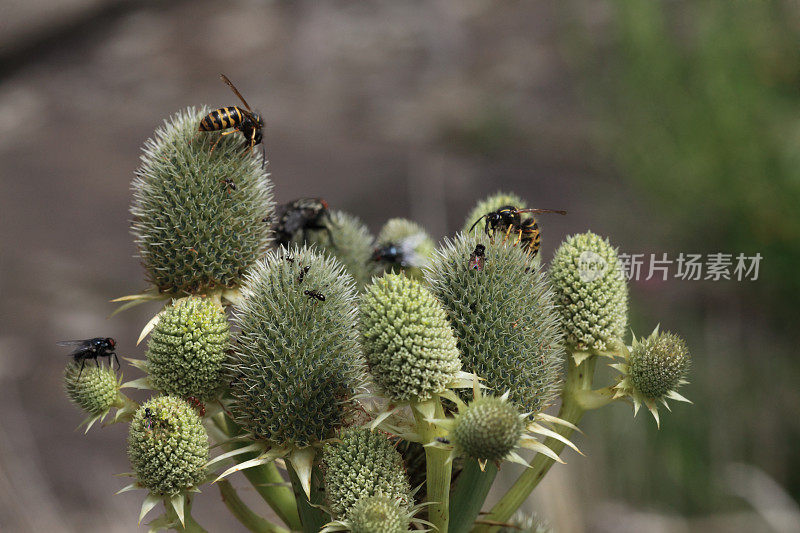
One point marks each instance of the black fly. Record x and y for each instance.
(302, 215)
(92, 349)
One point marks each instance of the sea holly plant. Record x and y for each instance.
(357, 384)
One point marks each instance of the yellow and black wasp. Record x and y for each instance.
(246, 121)
(509, 220)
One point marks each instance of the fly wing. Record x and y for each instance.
(408, 249)
(78, 345)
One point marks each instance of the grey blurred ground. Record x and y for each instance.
(385, 109)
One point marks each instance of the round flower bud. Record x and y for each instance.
(492, 203)
(591, 292)
(408, 343)
(378, 514)
(488, 429)
(95, 391)
(188, 348)
(296, 363)
(503, 317)
(657, 364)
(352, 244)
(167, 446)
(402, 246)
(363, 464)
(199, 215)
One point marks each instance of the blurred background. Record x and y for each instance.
(668, 126)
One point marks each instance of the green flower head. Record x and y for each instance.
(488, 429)
(95, 391)
(378, 514)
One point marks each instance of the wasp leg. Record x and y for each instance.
(223, 134)
(519, 238)
(508, 231)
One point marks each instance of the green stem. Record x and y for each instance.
(471, 490)
(579, 378)
(266, 479)
(243, 513)
(313, 519)
(439, 469)
(190, 525)
(594, 399)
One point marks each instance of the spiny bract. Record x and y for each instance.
(412, 243)
(488, 429)
(407, 340)
(352, 244)
(296, 363)
(96, 391)
(591, 292)
(378, 514)
(489, 204)
(168, 449)
(657, 364)
(198, 215)
(188, 348)
(503, 317)
(363, 463)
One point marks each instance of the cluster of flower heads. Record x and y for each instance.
(338, 313)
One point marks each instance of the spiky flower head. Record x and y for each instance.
(408, 342)
(296, 364)
(187, 349)
(402, 246)
(168, 446)
(378, 514)
(654, 369)
(198, 215)
(488, 429)
(489, 204)
(361, 464)
(94, 389)
(591, 292)
(352, 244)
(503, 317)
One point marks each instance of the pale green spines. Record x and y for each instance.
(408, 343)
(492, 203)
(378, 514)
(488, 429)
(187, 349)
(363, 464)
(96, 391)
(411, 240)
(591, 292)
(503, 318)
(169, 448)
(195, 230)
(658, 364)
(353, 244)
(296, 363)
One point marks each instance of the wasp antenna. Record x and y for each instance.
(228, 82)
(476, 223)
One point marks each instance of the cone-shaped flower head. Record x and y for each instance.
(488, 429)
(408, 342)
(402, 246)
(198, 215)
(187, 349)
(168, 446)
(378, 514)
(296, 363)
(352, 244)
(503, 316)
(97, 389)
(492, 203)
(591, 292)
(361, 464)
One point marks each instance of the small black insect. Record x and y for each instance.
(302, 215)
(477, 258)
(92, 349)
(442, 440)
(315, 295)
(150, 420)
(230, 185)
(509, 219)
(402, 254)
(303, 273)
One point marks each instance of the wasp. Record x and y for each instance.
(92, 349)
(302, 215)
(477, 258)
(246, 121)
(509, 219)
(199, 406)
(315, 295)
(402, 253)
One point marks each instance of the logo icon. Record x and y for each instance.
(591, 266)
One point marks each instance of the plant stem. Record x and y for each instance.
(439, 470)
(579, 378)
(471, 490)
(312, 518)
(243, 513)
(190, 525)
(266, 479)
